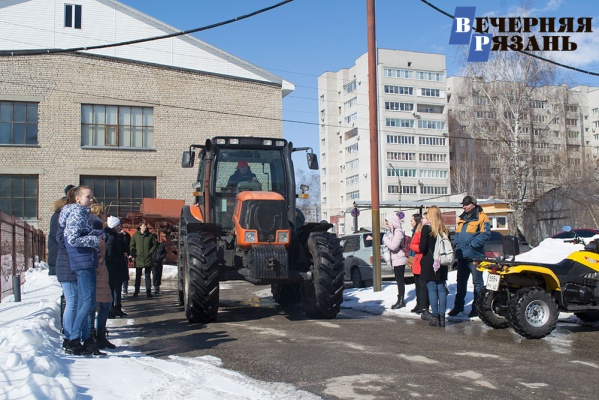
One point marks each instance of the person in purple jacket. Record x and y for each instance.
(399, 258)
(82, 243)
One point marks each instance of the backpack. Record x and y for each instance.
(405, 243)
(385, 252)
(443, 252)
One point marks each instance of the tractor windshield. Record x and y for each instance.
(236, 170)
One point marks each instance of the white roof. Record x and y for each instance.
(26, 25)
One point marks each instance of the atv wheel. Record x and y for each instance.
(588, 316)
(201, 278)
(356, 278)
(487, 303)
(322, 295)
(286, 293)
(533, 313)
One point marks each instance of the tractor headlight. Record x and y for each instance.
(283, 237)
(250, 237)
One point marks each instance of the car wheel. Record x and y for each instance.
(356, 278)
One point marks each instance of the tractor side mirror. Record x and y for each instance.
(511, 248)
(188, 159)
(312, 161)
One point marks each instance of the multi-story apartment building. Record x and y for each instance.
(413, 138)
(519, 147)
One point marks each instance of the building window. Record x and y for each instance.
(350, 103)
(403, 123)
(19, 195)
(431, 141)
(426, 124)
(18, 123)
(392, 189)
(121, 194)
(434, 190)
(352, 164)
(353, 195)
(397, 106)
(431, 157)
(430, 92)
(403, 172)
(72, 16)
(430, 76)
(400, 156)
(117, 126)
(398, 73)
(352, 149)
(352, 180)
(350, 87)
(400, 139)
(392, 89)
(351, 118)
(433, 173)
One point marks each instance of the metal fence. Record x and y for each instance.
(20, 245)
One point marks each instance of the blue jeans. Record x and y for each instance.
(86, 303)
(69, 289)
(437, 296)
(102, 315)
(465, 268)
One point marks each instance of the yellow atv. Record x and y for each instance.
(528, 296)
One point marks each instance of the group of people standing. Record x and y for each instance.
(89, 257)
(472, 232)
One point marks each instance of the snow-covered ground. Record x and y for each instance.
(33, 366)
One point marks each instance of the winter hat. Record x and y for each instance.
(113, 222)
(469, 200)
(242, 163)
(69, 187)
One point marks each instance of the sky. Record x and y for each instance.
(305, 38)
(33, 366)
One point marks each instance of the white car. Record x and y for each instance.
(357, 250)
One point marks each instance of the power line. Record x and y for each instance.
(520, 51)
(148, 39)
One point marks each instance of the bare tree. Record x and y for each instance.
(513, 118)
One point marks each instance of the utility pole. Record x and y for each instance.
(374, 145)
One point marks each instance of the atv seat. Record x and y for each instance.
(561, 268)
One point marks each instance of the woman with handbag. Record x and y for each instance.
(393, 241)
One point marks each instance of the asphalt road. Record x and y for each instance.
(365, 356)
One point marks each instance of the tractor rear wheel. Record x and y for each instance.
(533, 312)
(487, 303)
(286, 293)
(201, 277)
(322, 295)
(181, 265)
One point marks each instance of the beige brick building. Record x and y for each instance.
(117, 120)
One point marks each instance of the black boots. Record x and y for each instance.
(426, 315)
(103, 342)
(149, 293)
(438, 320)
(73, 347)
(90, 347)
(454, 312)
(400, 304)
(120, 312)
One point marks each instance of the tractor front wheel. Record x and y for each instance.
(322, 295)
(201, 290)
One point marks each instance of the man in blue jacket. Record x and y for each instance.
(472, 232)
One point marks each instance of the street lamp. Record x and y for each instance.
(398, 182)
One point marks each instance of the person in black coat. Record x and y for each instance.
(433, 273)
(116, 264)
(157, 261)
(52, 241)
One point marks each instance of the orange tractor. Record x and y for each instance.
(247, 230)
